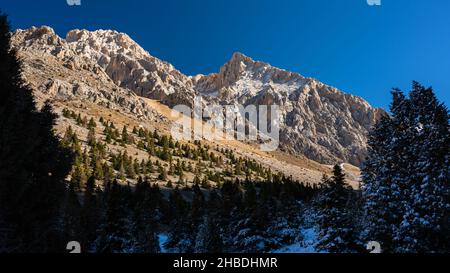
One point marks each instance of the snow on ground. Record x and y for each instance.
(162, 241)
(306, 246)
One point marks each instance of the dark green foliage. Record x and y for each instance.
(406, 175)
(115, 232)
(145, 218)
(90, 214)
(31, 185)
(337, 232)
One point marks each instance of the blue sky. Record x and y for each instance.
(361, 49)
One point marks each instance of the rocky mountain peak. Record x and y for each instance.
(242, 77)
(117, 55)
(39, 32)
(239, 59)
(39, 38)
(321, 121)
(107, 42)
(318, 120)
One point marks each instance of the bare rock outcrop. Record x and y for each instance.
(109, 68)
(319, 121)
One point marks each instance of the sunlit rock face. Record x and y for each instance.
(109, 68)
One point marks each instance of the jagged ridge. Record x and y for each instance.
(318, 121)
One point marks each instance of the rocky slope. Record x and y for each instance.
(318, 121)
(110, 69)
(113, 54)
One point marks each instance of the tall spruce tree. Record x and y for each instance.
(33, 165)
(406, 175)
(336, 230)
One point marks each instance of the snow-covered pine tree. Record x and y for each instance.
(336, 224)
(210, 232)
(425, 223)
(381, 206)
(208, 238)
(180, 233)
(406, 175)
(250, 227)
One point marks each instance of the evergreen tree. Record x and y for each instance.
(249, 230)
(145, 220)
(210, 233)
(91, 124)
(382, 207)
(180, 233)
(98, 169)
(90, 214)
(114, 235)
(162, 174)
(208, 238)
(68, 137)
(71, 221)
(91, 140)
(407, 174)
(33, 164)
(336, 224)
(198, 205)
(125, 135)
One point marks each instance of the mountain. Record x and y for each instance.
(318, 121)
(109, 69)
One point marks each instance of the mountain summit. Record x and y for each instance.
(318, 120)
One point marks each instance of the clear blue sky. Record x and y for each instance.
(361, 49)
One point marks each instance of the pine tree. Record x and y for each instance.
(406, 175)
(90, 214)
(67, 138)
(208, 238)
(249, 229)
(122, 171)
(210, 233)
(98, 169)
(71, 222)
(196, 180)
(378, 187)
(336, 227)
(162, 174)
(33, 164)
(149, 166)
(114, 235)
(197, 207)
(79, 120)
(91, 124)
(205, 183)
(79, 176)
(423, 228)
(145, 220)
(125, 135)
(91, 140)
(180, 233)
